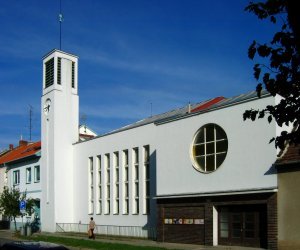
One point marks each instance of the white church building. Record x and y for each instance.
(199, 174)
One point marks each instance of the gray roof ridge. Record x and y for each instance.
(182, 112)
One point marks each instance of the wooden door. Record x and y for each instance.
(241, 226)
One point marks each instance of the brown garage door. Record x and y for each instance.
(183, 225)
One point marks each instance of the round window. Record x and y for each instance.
(209, 148)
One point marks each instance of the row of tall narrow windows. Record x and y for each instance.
(113, 176)
(49, 73)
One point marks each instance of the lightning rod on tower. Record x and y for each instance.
(60, 19)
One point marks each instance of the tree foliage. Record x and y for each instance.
(281, 75)
(10, 204)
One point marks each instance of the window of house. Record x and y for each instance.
(28, 175)
(209, 148)
(16, 177)
(37, 174)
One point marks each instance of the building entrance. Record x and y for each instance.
(243, 225)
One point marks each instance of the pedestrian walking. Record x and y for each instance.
(92, 226)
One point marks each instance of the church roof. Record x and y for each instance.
(191, 110)
(24, 150)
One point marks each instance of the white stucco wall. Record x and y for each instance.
(248, 161)
(248, 165)
(3, 178)
(65, 172)
(126, 140)
(33, 189)
(59, 131)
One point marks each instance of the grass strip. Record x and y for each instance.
(86, 243)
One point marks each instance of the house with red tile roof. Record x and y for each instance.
(20, 168)
(85, 133)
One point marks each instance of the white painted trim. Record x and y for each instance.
(271, 190)
(215, 226)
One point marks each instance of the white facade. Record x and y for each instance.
(29, 177)
(116, 178)
(101, 148)
(246, 166)
(25, 176)
(59, 132)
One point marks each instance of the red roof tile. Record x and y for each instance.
(208, 104)
(86, 136)
(290, 155)
(22, 151)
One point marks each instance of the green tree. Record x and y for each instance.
(10, 204)
(281, 74)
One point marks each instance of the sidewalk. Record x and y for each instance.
(5, 234)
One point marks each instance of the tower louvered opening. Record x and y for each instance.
(49, 76)
(73, 75)
(59, 70)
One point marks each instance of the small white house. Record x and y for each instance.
(85, 133)
(22, 171)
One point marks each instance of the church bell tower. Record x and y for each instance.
(59, 129)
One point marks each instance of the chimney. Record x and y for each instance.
(11, 146)
(189, 108)
(23, 142)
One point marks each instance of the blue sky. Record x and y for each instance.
(133, 54)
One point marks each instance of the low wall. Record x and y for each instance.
(111, 230)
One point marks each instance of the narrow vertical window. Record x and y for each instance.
(116, 182)
(224, 222)
(49, 73)
(28, 175)
(136, 207)
(59, 70)
(73, 75)
(125, 182)
(91, 186)
(99, 179)
(36, 173)
(16, 177)
(107, 179)
(146, 179)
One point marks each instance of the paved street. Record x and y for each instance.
(6, 236)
